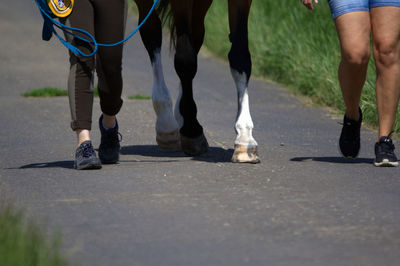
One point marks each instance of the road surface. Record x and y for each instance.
(302, 205)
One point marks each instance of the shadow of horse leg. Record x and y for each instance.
(167, 132)
(240, 64)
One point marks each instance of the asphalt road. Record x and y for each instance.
(303, 205)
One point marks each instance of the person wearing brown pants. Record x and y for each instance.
(105, 20)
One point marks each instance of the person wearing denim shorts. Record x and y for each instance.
(355, 21)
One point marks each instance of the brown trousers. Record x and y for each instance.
(105, 20)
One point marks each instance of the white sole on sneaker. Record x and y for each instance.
(386, 163)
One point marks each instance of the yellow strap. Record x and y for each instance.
(61, 8)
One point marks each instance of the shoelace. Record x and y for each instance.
(387, 145)
(111, 141)
(351, 128)
(390, 134)
(87, 150)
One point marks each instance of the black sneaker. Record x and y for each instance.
(109, 145)
(85, 157)
(384, 152)
(349, 141)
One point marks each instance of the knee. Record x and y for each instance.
(84, 65)
(109, 61)
(239, 55)
(185, 58)
(108, 65)
(386, 54)
(356, 56)
(110, 80)
(112, 70)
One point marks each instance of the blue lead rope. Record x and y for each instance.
(50, 22)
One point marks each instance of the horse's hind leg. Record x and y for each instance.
(167, 132)
(189, 23)
(240, 64)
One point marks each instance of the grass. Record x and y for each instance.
(45, 92)
(52, 92)
(294, 47)
(23, 243)
(139, 97)
(96, 91)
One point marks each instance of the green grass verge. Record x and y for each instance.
(52, 92)
(96, 91)
(139, 97)
(294, 47)
(45, 92)
(23, 243)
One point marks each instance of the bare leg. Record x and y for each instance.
(82, 135)
(108, 121)
(386, 46)
(354, 34)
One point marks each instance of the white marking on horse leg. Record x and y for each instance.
(166, 126)
(245, 144)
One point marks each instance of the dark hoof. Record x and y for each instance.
(194, 146)
(168, 141)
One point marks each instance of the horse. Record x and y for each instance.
(179, 128)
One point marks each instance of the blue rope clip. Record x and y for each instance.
(50, 22)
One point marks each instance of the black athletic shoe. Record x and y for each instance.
(349, 141)
(85, 157)
(384, 152)
(109, 145)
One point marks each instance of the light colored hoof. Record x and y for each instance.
(245, 154)
(169, 141)
(194, 146)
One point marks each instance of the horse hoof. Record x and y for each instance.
(194, 146)
(245, 154)
(168, 141)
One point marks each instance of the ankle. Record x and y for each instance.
(385, 134)
(82, 135)
(108, 121)
(353, 114)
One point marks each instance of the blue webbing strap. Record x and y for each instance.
(50, 22)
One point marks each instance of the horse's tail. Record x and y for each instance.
(167, 17)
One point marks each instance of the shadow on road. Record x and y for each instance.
(341, 160)
(149, 151)
(213, 155)
(56, 164)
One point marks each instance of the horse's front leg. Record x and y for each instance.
(189, 25)
(167, 131)
(193, 141)
(245, 144)
(240, 64)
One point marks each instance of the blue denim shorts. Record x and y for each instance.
(340, 7)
